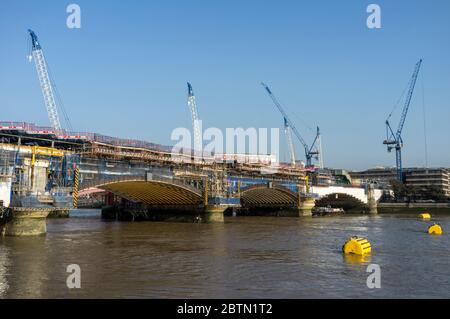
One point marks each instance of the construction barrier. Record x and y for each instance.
(425, 216)
(75, 188)
(435, 229)
(357, 245)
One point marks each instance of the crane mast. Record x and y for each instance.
(310, 152)
(44, 80)
(317, 153)
(394, 140)
(321, 164)
(290, 143)
(195, 119)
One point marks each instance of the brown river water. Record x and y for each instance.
(246, 257)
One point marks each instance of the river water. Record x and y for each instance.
(246, 257)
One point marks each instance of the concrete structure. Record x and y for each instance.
(419, 177)
(5, 191)
(351, 199)
(26, 221)
(6, 174)
(360, 193)
(380, 175)
(426, 177)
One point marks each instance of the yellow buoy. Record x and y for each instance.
(357, 245)
(435, 229)
(425, 216)
(356, 259)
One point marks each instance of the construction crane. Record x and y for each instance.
(44, 80)
(310, 152)
(290, 143)
(394, 140)
(195, 119)
(319, 137)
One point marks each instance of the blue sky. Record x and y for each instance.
(124, 72)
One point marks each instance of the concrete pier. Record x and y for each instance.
(305, 207)
(59, 213)
(371, 201)
(214, 214)
(26, 221)
(373, 207)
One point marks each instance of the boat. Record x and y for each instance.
(328, 210)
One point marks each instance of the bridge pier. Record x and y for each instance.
(26, 221)
(59, 213)
(371, 202)
(305, 207)
(373, 207)
(214, 213)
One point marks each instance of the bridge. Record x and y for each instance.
(144, 182)
(157, 192)
(48, 170)
(262, 196)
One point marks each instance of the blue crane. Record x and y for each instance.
(195, 120)
(310, 151)
(44, 80)
(394, 140)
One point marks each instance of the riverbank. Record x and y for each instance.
(409, 208)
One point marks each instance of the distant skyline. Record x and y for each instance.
(124, 72)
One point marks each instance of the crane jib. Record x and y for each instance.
(46, 85)
(408, 99)
(395, 140)
(309, 153)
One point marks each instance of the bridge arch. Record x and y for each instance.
(154, 193)
(341, 200)
(262, 195)
(357, 192)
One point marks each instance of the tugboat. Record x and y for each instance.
(328, 210)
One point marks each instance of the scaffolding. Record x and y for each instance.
(6, 165)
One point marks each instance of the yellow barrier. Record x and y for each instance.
(356, 259)
(435, 229)
(357, 245)
(75, 188)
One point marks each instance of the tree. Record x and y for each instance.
(405, 192)
(399, 189)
